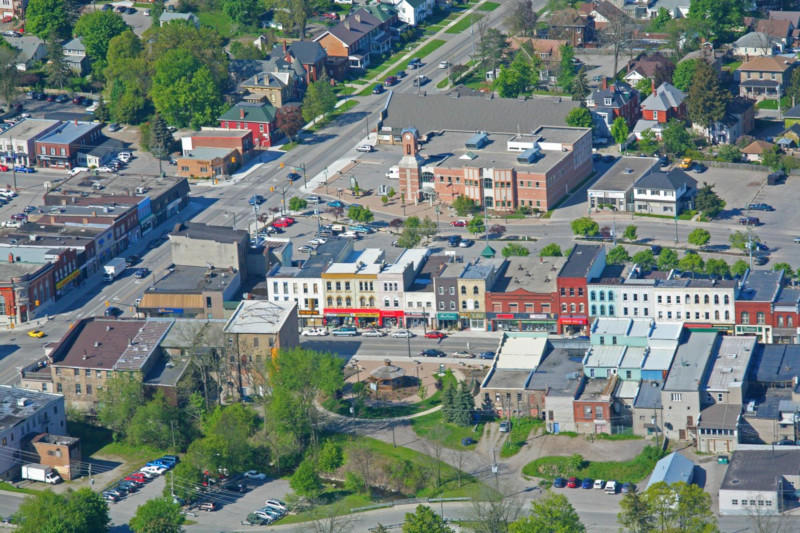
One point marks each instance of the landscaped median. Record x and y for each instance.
(633, 470)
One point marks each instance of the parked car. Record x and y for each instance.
(345, 332)
(559, 483)
(378, 89)
(486, 355)
(313, 200)
(208, 506)
(391, 80)
(373, 333)
(433, 334)
(282, 223)
(305, 249)
(314, 332)
(62, 98)
(432, 353)
(36, 333)
(277, 504)
(24, 169)
(402, 334)
(599, 484)
(627, 487)
(4, 168)
(458, 223)
(252, 474)
(587, 483)
(365, 148)
(454, 241)
(154, 469)
(467, 441)
(749, 221)
(110, 497)
(466, 243)
(760, 207)
(572, 483)
(462, 354)
(131, 260)
(505, 426)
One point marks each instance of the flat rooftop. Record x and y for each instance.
(531, 274)
(120, 189)
(559, 372)
(756, 470)
(13, 270)
(691, 361)
(623, 174)
(777, 363)
(732, 361)
(598, 389)
(604, 356)
(194, 279)
(207, 232)
(319, 259)
(720, 416)
(66, 212)
(507, 379)
(206, 154)
(69, 132)
(260, 317)
(414, 255)
(521, 353)
(110, 344)
(482, 269)
(430, 270)
(630, 327)
(649, 395)
(27, 129)
(580, 260)
(17, 405)
(659, 358)
(219, 132)
(359, 262)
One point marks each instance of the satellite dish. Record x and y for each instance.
(47, 185)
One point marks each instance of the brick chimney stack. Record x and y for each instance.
(241, 113)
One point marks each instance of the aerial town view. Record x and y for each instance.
(422, 266)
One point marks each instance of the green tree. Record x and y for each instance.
(47, 17)
(691, 262)
(305, 481)
(409, 238)
(667, 259)
(319, 99)
(662, 507)
(635, 513)
(159, 515)
(184, 91)
(699, 237)
(75, 511)
(9, 75)
(675, 138)
(522, 19)
(96, 29)
(620, 131)
(296, 203)
(648, 144)
(425, 520)
(551, 514)
(618, 256)
(241, 11)
(509, 82)
(118, 401)
(585, 226)
(515, 250)
(128, 72)
(360, 214)
(738, 239)
(644, 259)
(154, 423)
(463, 405)
(793, 90)
(464, 206)
(579, 117)
(786, 267)
(550, 250)
(56, 69)
(580, 86)
(412, 222)
(645, 87)
(729, 153)
(684, 74)
(566, 69)
(330, 456)
(716, 18)
(660, 21)
(718, 267)
(102, 113)
(739, 268)
(630, 233)
(448, 401)
(707, 100)
(771, 158)
(492, 48)
(162, 143)
(427, 227)
(289, 119)
(707, 201)
(157, 10)
(476, 226)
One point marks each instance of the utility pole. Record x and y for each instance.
(172, 426)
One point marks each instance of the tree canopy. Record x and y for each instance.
(579, 117)
(96, 29)
(684, 73)
(618, 256)
(425, 520)
(158, 515)
(675, 137)
(707, 201)
(551, 514)
(74, 511)
(662, 507)
(585, 226)
(707, 100)
(47, 17)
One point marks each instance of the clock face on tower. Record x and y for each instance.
(408, 137)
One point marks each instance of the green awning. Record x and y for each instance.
(488, 252)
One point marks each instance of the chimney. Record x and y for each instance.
(605, 83)
(284, 46)
(241, 113)
(76, 121)
(653, 86)
(358, 18)
(347, 24)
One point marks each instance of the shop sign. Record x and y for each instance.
(749, 329)
(505, 316)
(174, 310)
(307, 312)
(573, 320)
(472, 315)
(447, 316)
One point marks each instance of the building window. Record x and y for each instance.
(594, 311)
(592, 296)
(88, 389)
(658, 298)
(598, 412)
(745, 317)
(760, 317)
(441, 291)
(726, 299)
(572, 291)
(587, 412)
(208, 302)
(452, 306)
(77, 388)
(676, 397)
(452, 291)
(475, 291)
(463, 290)
(59, 388)
(441, 306)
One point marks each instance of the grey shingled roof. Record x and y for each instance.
(466, 113)
(665, 98)
(307, 52)
(357, 30)
(671, 180)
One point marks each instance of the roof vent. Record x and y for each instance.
(628, 171)
(22, 402)
(96, 344)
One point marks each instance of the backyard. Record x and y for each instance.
(633, 470)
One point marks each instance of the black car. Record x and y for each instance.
(401, 74)
(559, 483)
(608, 158)
(656, 249)
(113, 311)
(378, 89)
(131, 260)
(130, 10)
(141, 273)
(760, 260)
(293, 176)
(106, 7)
(453, 241)
(234, 486)
(432, 353)
(760, 207)
(699, 169)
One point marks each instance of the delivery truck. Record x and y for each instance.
(37, 472)
(114, 268)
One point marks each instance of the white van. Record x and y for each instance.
(611, 487)
(393, 173)
(350, 234)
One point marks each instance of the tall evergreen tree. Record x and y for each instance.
(56, 70)
(580, 87)
(465, 405)
(161, 140)
(707, 100)
(448, 402)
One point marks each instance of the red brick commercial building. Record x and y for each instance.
(766, 309)
(256, 117)
(59, 148)
(241, 140)
(586, 261)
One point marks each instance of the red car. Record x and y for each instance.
(458, 223)
(283, 222)
(573, 483)
(332, 16)
(3, 168)
(435, 335)
(140, 478)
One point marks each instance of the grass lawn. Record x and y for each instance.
(11, 488)
(290, 145)
(651, 215)
(519, 435)
(633, 470)
(343, 407)
(442, 84)
(732, 66)
(219, 21)
(488, 6)
(426, 426)
(687, 215)
(421, 53)
(98, 441)
(463, 24)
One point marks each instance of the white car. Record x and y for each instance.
(314, 332)
(124, 156)
(77, 170)
(105, 169)
(146, 13)
(8, 193)
(313, 199)
(153, 469)
(252, 474)
(373, 333)
(277, 503)
(365, 148)
(599, 484)
(444, 64)
(317, 241)
(12, 224)
(402, 334)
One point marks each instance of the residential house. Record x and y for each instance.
(602, 12)
(350, 43)
(755, 44)
(277, 88)
(715, 57)
(789, 138)
(32, 49)
(664, 193)
(663, 104)
(611, 101)
(412, 12)
(739, 120)
(683, 395)
(18, 143)
(548, 50)
(24, 414)
(614, 189)
(792, 116)
(676, 8)
(310, 55)
(75, 56)
(791, 16)
(169, 16)
(569, 25)
(780, 29)
(755, 151)
(765, 77)
(255, 332)
(674, 468)
(256, 117)
(585, 262)
(13, 8)
(757, 482)
(60, 147)
(646, 67)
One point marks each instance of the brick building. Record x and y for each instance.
(59, 148)
(586, 261)
(240, 140)
(208, 162)
(258, 117)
